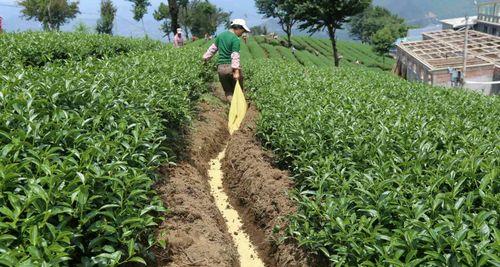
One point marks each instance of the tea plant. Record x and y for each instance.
(80, 144)
(39, 48)
(387, 172)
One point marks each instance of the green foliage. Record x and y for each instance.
(282, 10)
(206, 17)
(82, 28)
(255, 49)
(313, 52)
(140, 8)
(316, 15)
(51, 13)
(163, 14)
(108, 13)
(38, 48)
(387, 172)
(271, 51)
(259, 30)
(364, 25)
(80, 144)
(383, 40)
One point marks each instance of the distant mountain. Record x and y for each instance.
(424, 12)
(417, 12)
(124, 24)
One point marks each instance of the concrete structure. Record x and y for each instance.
(488, 20)
(458, 23)
(438, 60)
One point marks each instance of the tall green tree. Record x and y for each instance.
(174, 15)
(108, 13)
(283, 11)
(51, 13)
(317, 15)
(383, 40)
(206, 17)
(259, 30)
(364, 25)
(162, 14)
(185, 15)
(140, 8)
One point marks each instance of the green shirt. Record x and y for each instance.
(227, 43)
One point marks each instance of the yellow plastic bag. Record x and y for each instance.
(238, 109)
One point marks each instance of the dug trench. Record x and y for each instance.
(203, 225)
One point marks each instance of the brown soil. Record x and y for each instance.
(195, 231)
(258, 190)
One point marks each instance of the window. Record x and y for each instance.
(488, 9)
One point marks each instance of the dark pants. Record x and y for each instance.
(226, 79)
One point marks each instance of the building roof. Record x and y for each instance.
(460, 22)
(444, 49)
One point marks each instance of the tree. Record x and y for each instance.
(316, 15)
(108, 12)
(82, 28)
(383, 40)
(259, 30)
(283, 10)
(174, 15)
(185, 15)
(206, 17)
(364, 25)
(51, 13)
(140, 8)
(163, 14)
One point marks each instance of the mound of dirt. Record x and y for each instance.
(195, 230)
(258, 190)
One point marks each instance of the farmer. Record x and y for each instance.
(228, 46)
(178, 39)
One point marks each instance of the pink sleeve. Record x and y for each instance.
(210, 52)
(235, 60)
(176, 41)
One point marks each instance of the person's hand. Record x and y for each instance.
(236, 74)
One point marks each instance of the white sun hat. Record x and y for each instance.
(242, 23)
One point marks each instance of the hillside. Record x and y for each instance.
(116, 152)
(310, 52)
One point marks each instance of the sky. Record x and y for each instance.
(124, 25)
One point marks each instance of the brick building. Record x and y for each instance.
(488, 20)
(438, 60)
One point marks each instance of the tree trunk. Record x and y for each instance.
(186, 32)
(289, 35)
(333, 39)
(174, 15)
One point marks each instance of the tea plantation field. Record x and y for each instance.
(310, 52)
(84, 123)
(388, 173)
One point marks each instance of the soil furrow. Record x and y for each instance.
(259, 191)
(194, 229)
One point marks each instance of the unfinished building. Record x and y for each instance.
(438, 60)
(488, 20)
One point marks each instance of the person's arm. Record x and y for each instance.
(212, 50)
(235, 60)
(236, 65)
(176, 40)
